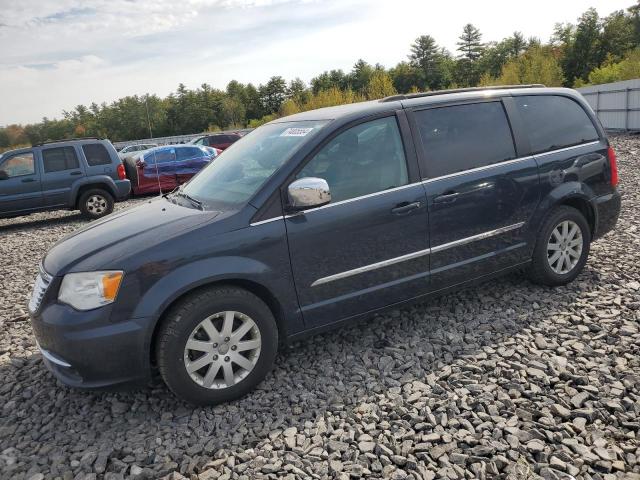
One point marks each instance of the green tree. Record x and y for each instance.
(429, 59)
(327, 80)
(536, 65)
(273, 93)
(380, 85)
(618, 35)
(471, 48)
(584, 51)
(405, 77)
(626, 69)
(360, 76)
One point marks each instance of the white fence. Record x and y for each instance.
(617, 104)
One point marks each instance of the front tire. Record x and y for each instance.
(216, 345)
(95, 203)
(562, 247)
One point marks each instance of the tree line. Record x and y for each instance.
(593, 50)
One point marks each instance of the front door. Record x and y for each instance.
(480, 195)
(20, 183)
(61, 169)
(368, 247)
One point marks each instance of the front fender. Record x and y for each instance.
(193, 275)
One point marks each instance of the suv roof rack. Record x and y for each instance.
(66, 140)
(456, 90)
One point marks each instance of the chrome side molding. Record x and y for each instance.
(419, 253)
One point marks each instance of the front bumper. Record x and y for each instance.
(607, 212)
(87, 349)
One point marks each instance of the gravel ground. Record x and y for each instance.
(507, 380)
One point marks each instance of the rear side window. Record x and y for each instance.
(96, 154)
(462, 137)
(186, 153)
(160, 156)
(59, 159)
(554, 122)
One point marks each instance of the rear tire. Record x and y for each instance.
(562, 247)
(205, 360)
(95, 203)
(132, 172)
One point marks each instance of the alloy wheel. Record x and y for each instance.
(96, 204)
(564, 247)
(222, 350)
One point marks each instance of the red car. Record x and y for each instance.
(164, 168)
(217, 140)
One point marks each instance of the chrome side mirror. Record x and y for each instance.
(309, 192)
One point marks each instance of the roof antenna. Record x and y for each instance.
(146, 104)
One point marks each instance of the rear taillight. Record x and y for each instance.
(613, 167)
(121, 173)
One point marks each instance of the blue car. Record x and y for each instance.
(164, 168)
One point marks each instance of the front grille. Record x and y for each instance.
(39, 289)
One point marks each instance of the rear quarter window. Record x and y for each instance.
(554, 122)
(462, 137)
(96, 154)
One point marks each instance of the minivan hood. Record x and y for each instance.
(123, 234)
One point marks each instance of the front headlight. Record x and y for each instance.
(89, 290)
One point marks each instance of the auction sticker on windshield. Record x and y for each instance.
(295, 132)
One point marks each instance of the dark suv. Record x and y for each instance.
(320, 218)
(82, 174)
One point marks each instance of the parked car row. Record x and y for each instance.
(89, 175)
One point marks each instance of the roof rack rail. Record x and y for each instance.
(408, 96)
(66, 140)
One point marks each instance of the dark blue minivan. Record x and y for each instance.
(323, 217)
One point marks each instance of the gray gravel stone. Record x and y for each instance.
(505, 380)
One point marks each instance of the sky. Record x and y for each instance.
(56, 54)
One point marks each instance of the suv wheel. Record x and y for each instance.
(216, 345)
(95, 203)
(561, 248)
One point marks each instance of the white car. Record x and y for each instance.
(138, 147)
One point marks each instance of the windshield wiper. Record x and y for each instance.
(194, 202)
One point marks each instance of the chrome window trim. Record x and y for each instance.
(268, 220)
(419, 253)
(373, 266)
(429, 180)
(478, 169)
(564, 149)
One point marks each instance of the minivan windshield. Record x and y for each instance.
(238, 173)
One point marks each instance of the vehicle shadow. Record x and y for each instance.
(328, 375)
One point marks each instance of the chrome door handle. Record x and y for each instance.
(446, 197)
(404, 208)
